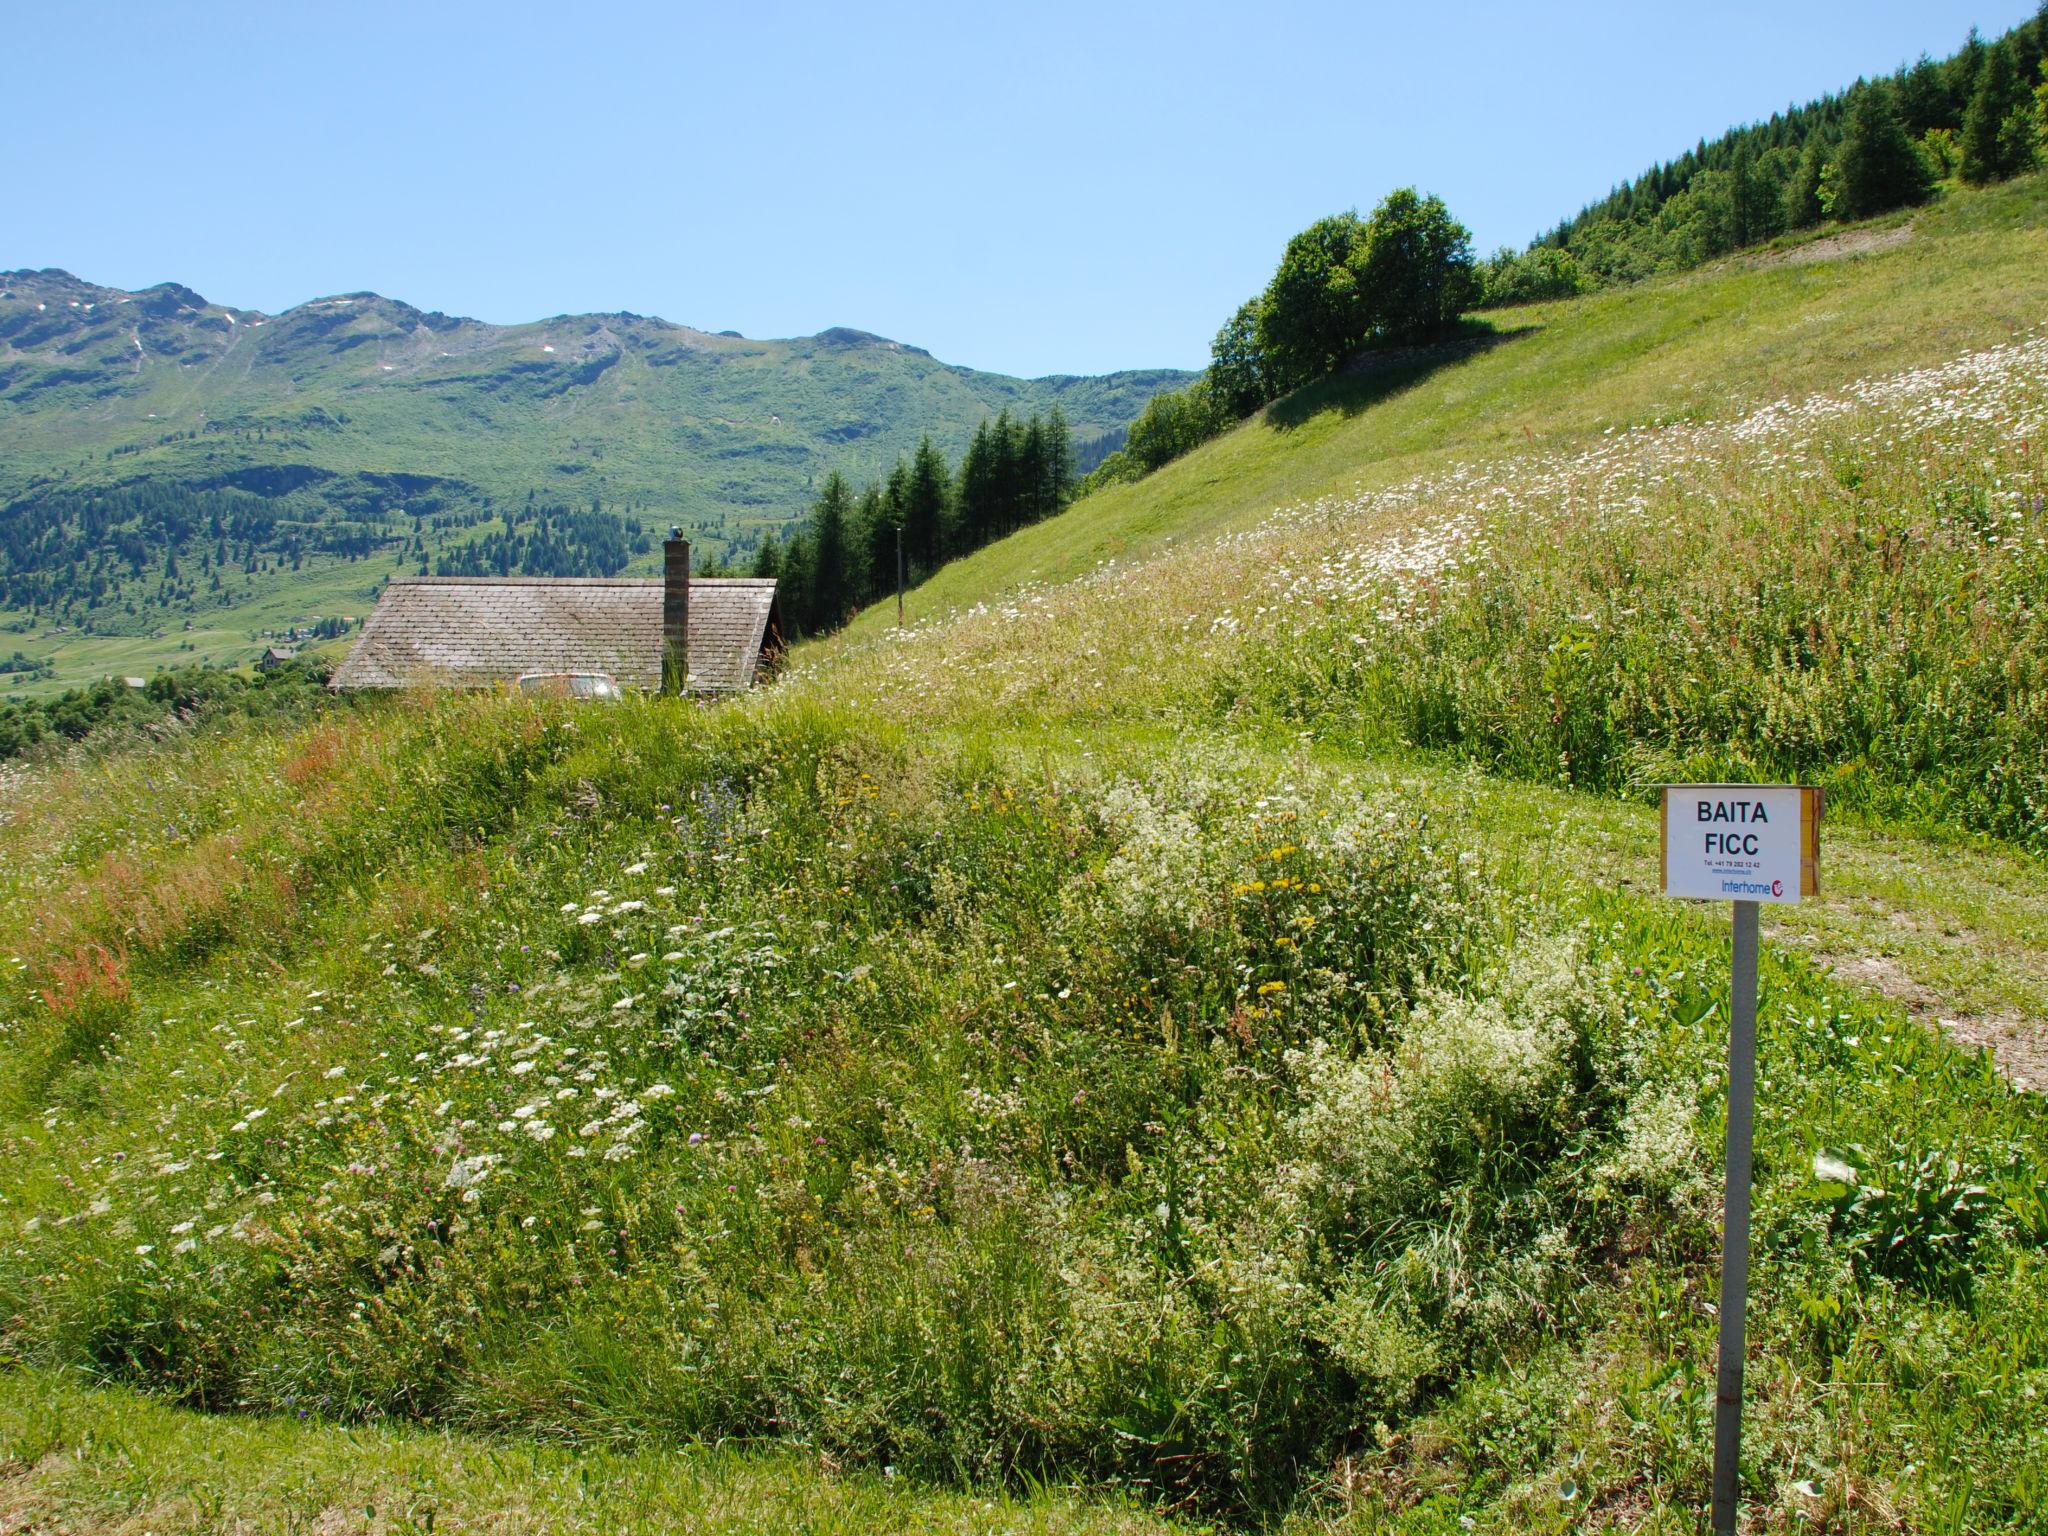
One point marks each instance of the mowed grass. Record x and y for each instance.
(78, 1460)
(1073, 1044)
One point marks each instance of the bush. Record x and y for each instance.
(1546, 272)
(1907, 1215)
(190, 695)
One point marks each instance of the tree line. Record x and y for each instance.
(128, 555)
(545, 540)
(1980, 114)
(189, 695)
(844, 554)
(1402, 276)
(1406, 274)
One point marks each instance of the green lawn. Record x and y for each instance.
(77, 1460)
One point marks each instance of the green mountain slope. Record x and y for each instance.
(168, 462)
(1890, 294)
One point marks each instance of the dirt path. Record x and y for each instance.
(2019, 1045)
(1852, 242)
(1955, 933)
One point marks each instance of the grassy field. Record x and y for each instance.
(1187, 1024)
(1707, 345)
(275, 602)
(112, 1464)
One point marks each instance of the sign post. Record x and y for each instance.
(1749, 844)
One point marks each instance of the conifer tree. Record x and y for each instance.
(1802, 192)
(974, 503)
(1744, 200)
(1006, 439)
(1033, 498)
(874, 542)
(794, 589)
(1877, 168)
(1960, 74)
(1988, 153)
(1923, 99)
(831, 590)
(927, 497)
(1059, 458)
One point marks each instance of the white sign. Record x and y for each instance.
(1741, 842)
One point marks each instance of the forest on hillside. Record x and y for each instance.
(1882, 144)
(851, 550)
(1407, 275)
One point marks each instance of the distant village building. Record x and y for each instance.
(714, 634)
(274, 657)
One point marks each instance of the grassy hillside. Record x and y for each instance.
(1185, 1022)
(318, 451)
(1706, 345)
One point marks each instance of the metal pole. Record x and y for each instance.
(1735, 1222)
(899, 575)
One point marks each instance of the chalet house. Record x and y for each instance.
(671, 633)
(276, 656)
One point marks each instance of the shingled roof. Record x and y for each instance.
(471, 632)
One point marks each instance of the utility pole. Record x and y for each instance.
(899, 575)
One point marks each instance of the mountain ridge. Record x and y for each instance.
(180, 296)
(170, 464)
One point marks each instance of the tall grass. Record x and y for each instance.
(1850, 591)
(668, 1073)
(1019, 1049)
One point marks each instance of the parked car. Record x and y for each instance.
(571, 685)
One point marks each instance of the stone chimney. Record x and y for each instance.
(675, 613)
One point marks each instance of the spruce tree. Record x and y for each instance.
(1987, 157)
(926, 503)
(874, 544)
(799, 610)
(1746, 224)
(1923, 99)
(1034, 494)
(1960, 74)
(1059, 458)
(895, 509)
(1877, 168)
(831, 586)
(1006, 439)
(1802, 192)
(976, 505)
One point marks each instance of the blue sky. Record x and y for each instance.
(1058, 188)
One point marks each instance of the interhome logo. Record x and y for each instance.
(1742, 889)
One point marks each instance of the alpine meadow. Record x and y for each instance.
(1178, 1032)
